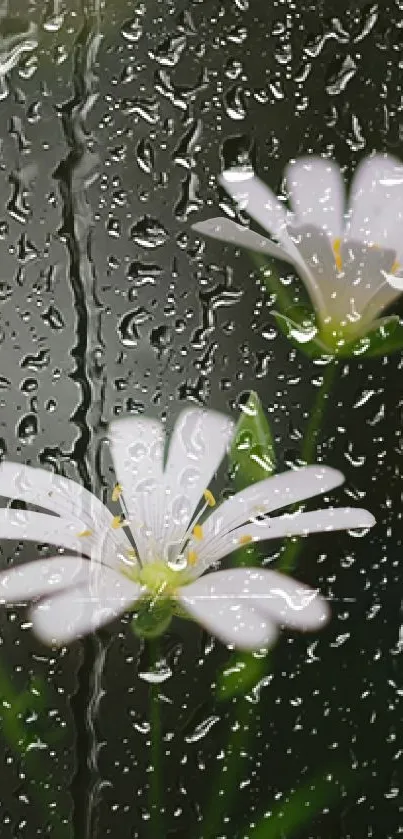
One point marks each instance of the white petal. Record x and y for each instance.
(226, 230)
(38, 527)
(317, 194)
(366, 291)
(261, 204)
(106, 546)
(271, 494)
(395, 280)
(81, 610)
(232, 620)
(198, 444)
(377, 203)
(137, 446)
(34, 579)
(53, 492)
(278, 598)
(280, 527)
(321, 278)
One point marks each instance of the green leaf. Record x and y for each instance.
(241, 674)
(298, 325)
(301, 805)
(251, 455)
(385, 337)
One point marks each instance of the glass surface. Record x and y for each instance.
(117, 119)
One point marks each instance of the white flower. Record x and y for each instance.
(160, 551)
(350, 259)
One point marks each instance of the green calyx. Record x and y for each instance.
(382, 337)
(152, 617)
(160, 579)
(154, 611)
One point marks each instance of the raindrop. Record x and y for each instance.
(202, 729)
(29, 386)
(127, 326)
(145, 156)
(132, 30)
(159, 674)
(189, 201)
(339, 75)
(161, 338)
(185, 23)
(113, 227)
(239, 154)
(368, 22)
(36, 362)
(149, 233)
(53, 318)
(234, 102)
(28, 428)
(6, 291)
(143, 273)
(233, 68)
(237, 35)
(178, 563)
(169, 52)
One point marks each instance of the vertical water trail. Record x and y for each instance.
(74, 175)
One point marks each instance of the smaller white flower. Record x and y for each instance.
(349, 258)
(156, 554)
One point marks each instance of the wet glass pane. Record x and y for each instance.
(138, 697)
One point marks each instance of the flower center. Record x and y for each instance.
(159, 579)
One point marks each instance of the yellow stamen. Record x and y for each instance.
(116, 492)
(395, 267)
(337, 255)
(85, 533)
(245, 540)
(209, 498)
(192, 558)
(132, 554)
(117, 522)
(198, 532)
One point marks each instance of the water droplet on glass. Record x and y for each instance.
(149, 233)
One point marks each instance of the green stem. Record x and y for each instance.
(289, 558)
(310, 442)
(156, 787)
(226, 783)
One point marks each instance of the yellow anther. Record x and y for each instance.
(198, 532)
(132, 554)
(116, 492)
(192, 558)
(85, 533)
(337, 255)
(395, 267)
(117, 522)
(245, 540)
(209, 498)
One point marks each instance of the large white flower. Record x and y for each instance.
(156, 555)
(350, 258)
